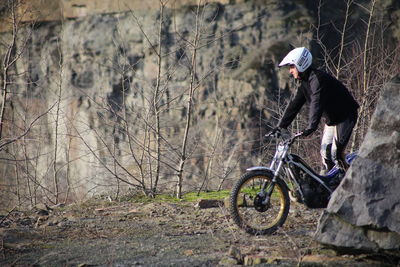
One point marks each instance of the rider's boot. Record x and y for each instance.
(340, 157)
(342, 164)
(327, 166)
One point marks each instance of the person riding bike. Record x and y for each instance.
(327, 97)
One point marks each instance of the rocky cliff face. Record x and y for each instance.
(99, 74)
(94, 65)
(364, 212)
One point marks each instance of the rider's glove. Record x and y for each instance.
(274, 132)
(307, 132)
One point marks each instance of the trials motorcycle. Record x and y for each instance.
(260, 200)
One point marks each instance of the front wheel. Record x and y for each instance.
(247, 208)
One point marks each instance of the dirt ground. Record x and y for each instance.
(100, 233)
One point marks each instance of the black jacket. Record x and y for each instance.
(326, 96)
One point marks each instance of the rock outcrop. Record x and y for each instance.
(364, 212)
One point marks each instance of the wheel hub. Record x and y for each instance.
(258, 204)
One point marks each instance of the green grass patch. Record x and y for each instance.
(219, 195)
(188, 197)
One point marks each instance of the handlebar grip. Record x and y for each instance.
(269, 134)
(298, 134)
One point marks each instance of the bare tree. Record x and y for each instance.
(148, 148)
(8, 61)
(13, 53)
(56, 133)
(365, 73)
(23, 116)
(192, 87)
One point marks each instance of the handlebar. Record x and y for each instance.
(297, 135)
(277, 134)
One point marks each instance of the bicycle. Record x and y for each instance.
(260, 200)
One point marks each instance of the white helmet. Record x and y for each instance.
(300, 57)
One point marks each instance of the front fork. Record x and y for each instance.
(266, 193)
(277, 161)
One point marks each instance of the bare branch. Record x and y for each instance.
(28, 129)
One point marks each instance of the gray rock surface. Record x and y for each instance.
(364, 212)
(103, 68)
(99, 65)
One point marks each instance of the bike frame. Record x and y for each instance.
(283, 159)
(293, 179)
(291, 160)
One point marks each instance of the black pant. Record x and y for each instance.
(343, 131)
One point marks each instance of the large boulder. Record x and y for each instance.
(364, 212)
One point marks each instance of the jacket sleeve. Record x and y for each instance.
(315, 112)
(296, 102)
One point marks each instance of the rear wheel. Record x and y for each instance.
(248, 210)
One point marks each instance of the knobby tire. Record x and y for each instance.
(242, 205)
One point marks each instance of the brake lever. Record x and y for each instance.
(275, 134)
